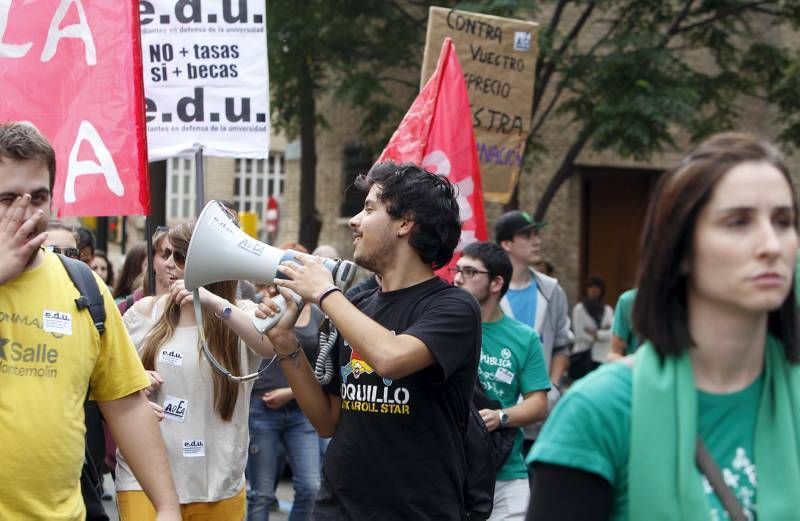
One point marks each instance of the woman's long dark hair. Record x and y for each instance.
(660, 309)
(596, 308)
(131, 269)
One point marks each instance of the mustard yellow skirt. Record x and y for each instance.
(133, 505)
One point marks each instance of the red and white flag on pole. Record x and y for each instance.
(436, 133)
(74, 70)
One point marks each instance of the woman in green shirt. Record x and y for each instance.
(716, 308)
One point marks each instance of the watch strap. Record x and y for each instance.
(226, 311)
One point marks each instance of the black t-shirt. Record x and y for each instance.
(398, 450)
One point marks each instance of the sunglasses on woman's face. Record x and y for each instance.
(72, 253)
(179, 257)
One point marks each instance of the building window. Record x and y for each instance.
(256, 180)
(357, 159)
(180, 186)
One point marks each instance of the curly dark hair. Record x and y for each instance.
(428, 199)
(494, 257)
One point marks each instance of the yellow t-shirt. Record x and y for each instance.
(50, 354)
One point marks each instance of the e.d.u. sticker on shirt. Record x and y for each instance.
(504, 375)
(175, 408)
(57, 322)
(171, 357)
(194, 448)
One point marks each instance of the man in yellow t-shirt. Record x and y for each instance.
(51, 353)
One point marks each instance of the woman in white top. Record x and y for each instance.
(205, 414)
(591, 323)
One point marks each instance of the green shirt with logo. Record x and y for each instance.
(511, 365)
(590, 430)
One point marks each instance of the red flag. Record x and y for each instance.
(73, 70)
(436, 133)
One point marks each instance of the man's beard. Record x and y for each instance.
(378, 259)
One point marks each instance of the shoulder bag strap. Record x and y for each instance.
(712, 472)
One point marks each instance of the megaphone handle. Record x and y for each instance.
(265, 324)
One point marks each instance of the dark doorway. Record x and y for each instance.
(614, 203)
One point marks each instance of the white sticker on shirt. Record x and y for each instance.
(171, 357)
(175, 408)
(504, 375)
(194, 449)
(57, 322)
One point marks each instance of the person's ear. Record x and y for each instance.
(406, 224)
(496, 285)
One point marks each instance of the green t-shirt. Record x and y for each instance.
(590, 430)
(511, 365)
(622, 326)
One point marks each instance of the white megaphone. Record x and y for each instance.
(219, 250)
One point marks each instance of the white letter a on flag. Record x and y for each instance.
(106, 168)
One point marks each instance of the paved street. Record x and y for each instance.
(285, 496)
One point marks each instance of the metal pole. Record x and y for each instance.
(151, 274)
(124, 234)
(200, 196)
(101, 235)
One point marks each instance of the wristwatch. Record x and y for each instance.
(503, 417)
(226, 311)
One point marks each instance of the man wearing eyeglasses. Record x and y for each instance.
(406, 358)
(51, 354)
(535, 299)
(511, 366)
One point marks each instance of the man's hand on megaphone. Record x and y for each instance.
(268, 308)
(308, 276)
(281, 335)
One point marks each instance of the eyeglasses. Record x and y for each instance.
(467, 272)
(72, 253)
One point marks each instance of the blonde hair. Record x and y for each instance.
(222, 341)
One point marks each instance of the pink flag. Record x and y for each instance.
(74, 70)
(436, 133)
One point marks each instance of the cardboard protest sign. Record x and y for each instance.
(72, 68)
(498, 56)
(205, 74)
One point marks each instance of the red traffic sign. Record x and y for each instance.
(273, 214)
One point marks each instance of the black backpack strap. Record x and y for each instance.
(82, 277)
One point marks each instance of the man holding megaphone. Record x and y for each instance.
(405, 360)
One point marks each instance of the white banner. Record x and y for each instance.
(205, 77)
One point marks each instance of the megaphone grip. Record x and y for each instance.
(263, 325)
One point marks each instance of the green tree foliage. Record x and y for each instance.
(359, 51)
(654, 66)
(352, 49)
(626, 73)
